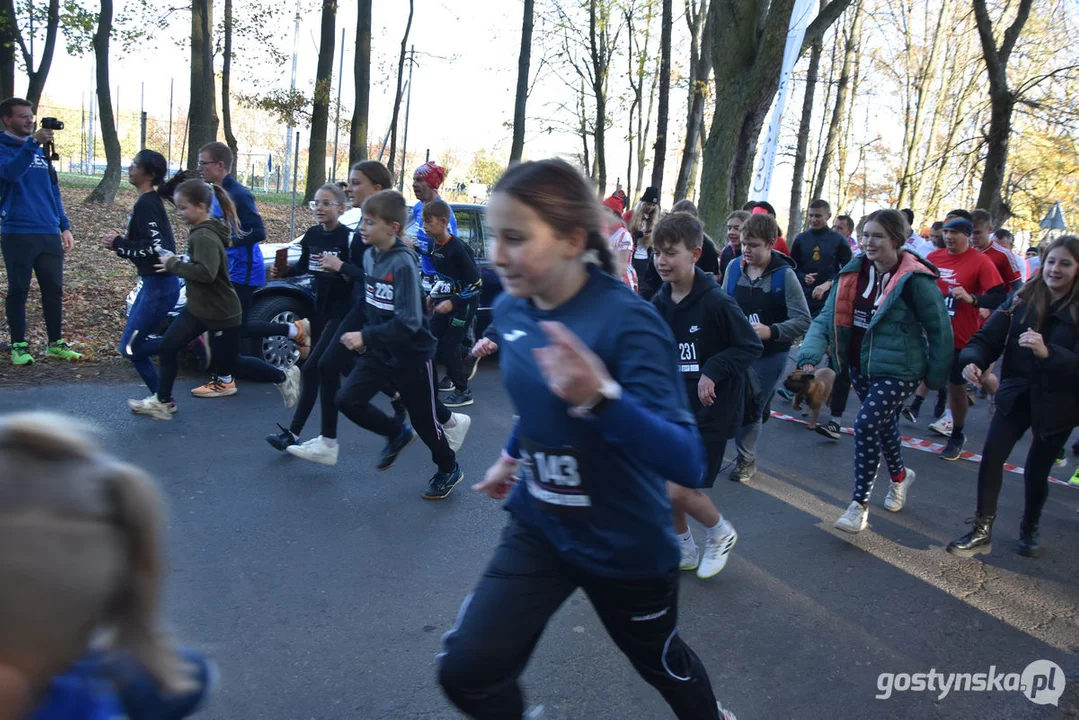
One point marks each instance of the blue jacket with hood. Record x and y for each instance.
(29, 194)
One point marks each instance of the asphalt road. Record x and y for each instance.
(322, 592)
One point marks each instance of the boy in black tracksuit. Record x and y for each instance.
(716, 347)
(395, 346)
(454, 297)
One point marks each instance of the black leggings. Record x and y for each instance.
(43, 256)
(840, 393)
(1005, 429)
(416, 386)
(523, 586)
(450, 330)
(255, 328)
(225, 345)
(316, 381)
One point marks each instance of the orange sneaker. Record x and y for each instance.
(215, 389)
(303, 338)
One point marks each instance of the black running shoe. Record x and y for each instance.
(829, 429)
(280, 441)
(442, 484)
(446, 385)
(909, 415)
(954, 448)
(940, 406)
(458, 399)
(395, 446)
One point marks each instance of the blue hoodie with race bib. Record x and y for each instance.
(595, 488)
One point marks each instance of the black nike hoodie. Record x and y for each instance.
(714, 338)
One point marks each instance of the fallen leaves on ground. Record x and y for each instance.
(96, 284)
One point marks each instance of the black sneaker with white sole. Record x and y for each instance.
(954, 449)
(908, 415)
(280, 441)
(458, 398)
(829, 429)
(443, 483)
(446, 385)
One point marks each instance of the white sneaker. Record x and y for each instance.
(717, 550)
(316, 450)
(943, 426)
(290, 388)
(897, 492)
(854, 520)
(689, 560)
(455, 435)
(153, 407)
(724, 714)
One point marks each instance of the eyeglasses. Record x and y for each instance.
(316, 204)
(204, 163)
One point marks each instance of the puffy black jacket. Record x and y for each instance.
(1050, 385)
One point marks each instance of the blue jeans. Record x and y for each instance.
(769, 369)
(152, 305)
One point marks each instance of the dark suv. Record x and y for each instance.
(289, 299)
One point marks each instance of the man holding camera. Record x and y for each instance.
(34, 231)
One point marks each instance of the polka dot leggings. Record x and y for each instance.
(877, 427)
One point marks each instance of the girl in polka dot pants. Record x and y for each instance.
(885, 320)
(876, 429)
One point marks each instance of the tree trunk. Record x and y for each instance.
(794, 226)
(41, 74)
(320, 110)
(640, 58)
(8, 38)
(599, 52)
(582, 117)
(397, 96)
(202, 126)
(700, 66)
(226, 79)
(1001, 101)
(908, 193)
(840, 198)
(358, 135)
(747, 54)
(521, 101)
(105, 192)
(642, 133)
(664, 93)
(840, 102)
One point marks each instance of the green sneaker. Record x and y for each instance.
(1074, 480)
(62, 351)
(20, 355)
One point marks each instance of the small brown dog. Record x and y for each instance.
(813, 388)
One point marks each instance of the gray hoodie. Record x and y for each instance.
(396, 330)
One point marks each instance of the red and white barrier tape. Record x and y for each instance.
(929, 447)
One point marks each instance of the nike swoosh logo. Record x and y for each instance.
(513, 335)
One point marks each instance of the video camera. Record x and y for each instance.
(51, 123)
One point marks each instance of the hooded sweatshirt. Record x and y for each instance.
(396, 332)
(785, 313)
(29, 194)
(210, 296)
(714, 339)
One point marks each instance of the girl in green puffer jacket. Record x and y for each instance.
(886, 318)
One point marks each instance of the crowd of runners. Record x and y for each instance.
(619, 427)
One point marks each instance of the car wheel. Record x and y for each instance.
(279, 351)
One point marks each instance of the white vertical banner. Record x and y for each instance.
(762, 176)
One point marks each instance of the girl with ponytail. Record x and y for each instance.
(82, 565)
(212, 306)
(603, 424)
(148, 233)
